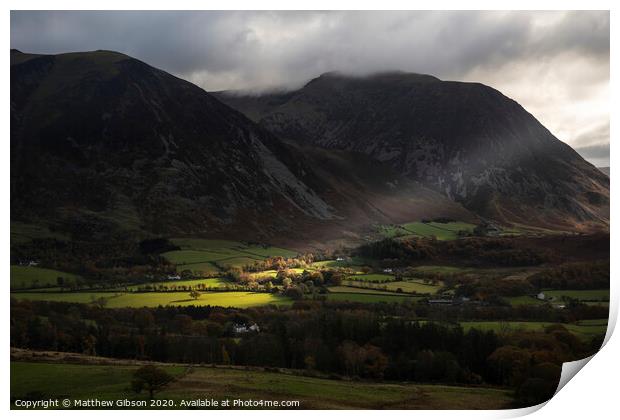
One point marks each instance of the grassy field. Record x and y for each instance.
(591, 296)
(64, 380)
(584, 295)
(206, 255)
(352, 289)
(411, 286)
(370, 296)
(154, 299)
(440, 269)
(375, 278)
(204, 268)
(406, 286)
(56, 380)
(270, 274)
(585, 330)
(210, 282)
(24, 232)
(23, 277)
(441, 231)
(354, 263)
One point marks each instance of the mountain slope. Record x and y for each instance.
(103, 136)
(464, 140)
(103, 145)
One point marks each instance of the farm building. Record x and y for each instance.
(243, 328)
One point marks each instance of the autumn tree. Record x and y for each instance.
(151, 379)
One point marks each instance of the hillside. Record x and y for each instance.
(104, 146)
(466, 141)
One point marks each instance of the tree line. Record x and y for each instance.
(386, 342)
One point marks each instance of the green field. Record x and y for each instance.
(585, 330)
(271, 274)
(110, 382)
(405, 286)
(354, 263)
(204, 268)
(352, 289)
(55, 380)
(583, 295)
(375, 278)
(368, 296)
(329, 264)
(440, 269)
(441, 231)
(206, 255)
(24, 232)
(591, 296)
(154, 299)
(23, 277)
(208, 283)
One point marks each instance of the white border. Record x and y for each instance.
(592, 393)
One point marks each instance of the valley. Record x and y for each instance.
(392, 241)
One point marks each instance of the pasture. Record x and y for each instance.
(64, 380)
(441, 231)
(154, 299)
(24, 232)
(24, 277)
(585, 330)
(190, 284)
(590, 295)
(370, 296)
(59, 380)
(375, 278)
(440, 269)
(209, 256)
(405, 286)
(554, 297)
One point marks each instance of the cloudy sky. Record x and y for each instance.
(556, 64)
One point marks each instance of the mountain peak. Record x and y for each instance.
(388, 76)
(465, 140)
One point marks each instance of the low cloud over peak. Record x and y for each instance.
(556, 64)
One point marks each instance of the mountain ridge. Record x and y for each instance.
(103, 144)
(465, 140)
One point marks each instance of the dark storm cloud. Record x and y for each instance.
(513, 51)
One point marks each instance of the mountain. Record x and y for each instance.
(466, 141)
(105, 146)
(605, 170)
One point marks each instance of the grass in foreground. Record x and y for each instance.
(63, 380)
(57, 380)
